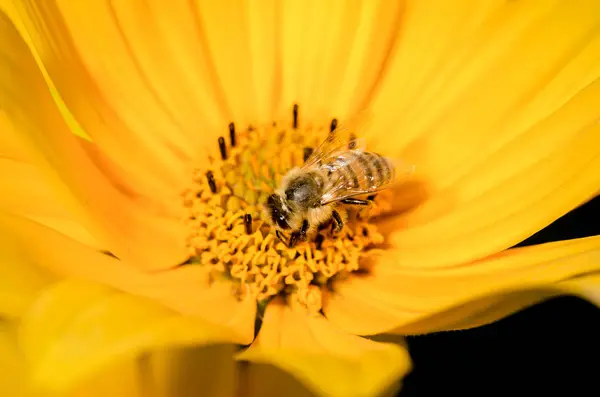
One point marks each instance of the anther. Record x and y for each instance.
(211, 181)
(248, 223)
(319, 241)
(352, 144)
(232, 134)
(222, 148)
(307, 152)
(295, 125)
(333, 125)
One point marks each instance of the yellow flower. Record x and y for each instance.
(110, 115)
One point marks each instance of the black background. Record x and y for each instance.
(553, 347)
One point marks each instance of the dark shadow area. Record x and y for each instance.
(552, 347)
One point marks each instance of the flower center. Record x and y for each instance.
(227, 234)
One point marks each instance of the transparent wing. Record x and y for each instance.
(342, 139)
(350, 176)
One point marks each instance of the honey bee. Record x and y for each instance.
(338, 171)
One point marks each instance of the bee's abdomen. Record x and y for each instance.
(360, 170)
(381, 169)
(367, 170)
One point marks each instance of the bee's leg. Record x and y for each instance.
(280, 236)
(319, 241)
(294, 239)
(353, 201)
(304, 229)
(324, 225)
(338, 223)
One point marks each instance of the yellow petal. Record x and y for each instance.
(20, 283)
(25, 191)
(266, 380)
(330, 57)
(327, 56)
(586, 287)
(149, 240)
(396, 299)
(149, 115)
(13, 381)
(75, 329)
(173, 371)
(185, 289)
(500, 116)
(325, 358)
(193, 371)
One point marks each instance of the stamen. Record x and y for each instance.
(295, 113)
(352, 144)
(222, 148)
(229, 234)
(307, 153)
(211, 182)
(248, 223)
(333, 125)
(232, 134)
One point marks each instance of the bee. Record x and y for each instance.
(338, 171)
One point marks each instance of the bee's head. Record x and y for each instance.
(276, 212)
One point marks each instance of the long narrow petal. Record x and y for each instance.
(147, 239)
(586, 287)
(187, 289)
(75, 329)
(499, 114)
(325, 358)
(395, 298)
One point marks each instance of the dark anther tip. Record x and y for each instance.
(211, 181)
(352, 144)
(371, 197)
(222, 148)
(307, 152)
(333, 125)
(248, 223)
(295, 112)
(232, 134)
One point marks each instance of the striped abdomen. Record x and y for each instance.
(360, 170)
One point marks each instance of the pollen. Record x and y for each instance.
(226, 233)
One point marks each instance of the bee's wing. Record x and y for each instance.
(341, 139)
(345, 187)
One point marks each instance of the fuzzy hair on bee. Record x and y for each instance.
(335, 174)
